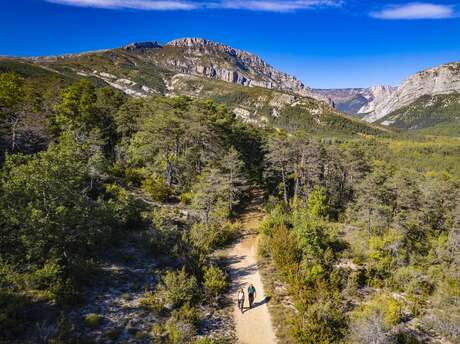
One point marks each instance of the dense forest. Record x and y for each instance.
(363, 231)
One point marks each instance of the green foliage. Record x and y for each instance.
(412, 280)
(176, 289)
(205, 341)
(43, 203)
(321, 323)
(304, 118)
(11, 92)
(214, 236)
(317, 203)
(128, 209)
(77, 107)
(215, 281)
(179, 332)
(186, 313)
(446, 315)
(276, 218)
(157, 189)
(384, 304)
(62, 205)
(92, 320)
(439, 111)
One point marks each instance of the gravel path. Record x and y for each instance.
(253, 326)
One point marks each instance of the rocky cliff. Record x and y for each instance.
(444, 79)
(376, 95)
(202, 57)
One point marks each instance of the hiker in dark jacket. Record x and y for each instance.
(251, 295)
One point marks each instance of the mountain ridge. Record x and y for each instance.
(148, 69)
(439, 80)
(186, 55)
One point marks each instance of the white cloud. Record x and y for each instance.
(415, 10)
(276, 6)
(147, 5)
(163, 5)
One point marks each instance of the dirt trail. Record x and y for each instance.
(254, 326)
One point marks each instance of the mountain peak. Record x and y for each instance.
(142, 45)
(215, 60)
(191, 42)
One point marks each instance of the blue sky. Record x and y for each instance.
(326, 43)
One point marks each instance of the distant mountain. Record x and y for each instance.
(348, 100)
(428, 101)
(194, 67)
(437, 114)
(441, 80)
(357, 101)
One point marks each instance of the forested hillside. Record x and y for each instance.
(102, 185)
(112, 208)
(438, 115)
(364, 238)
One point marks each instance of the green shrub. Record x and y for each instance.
(354, 282)
(384, 304)
(215, 281)
(151, 301)
(187, 314)
(186, 198)
(46, 277)
(445, 316)
(92, 320)
(134, 176)
(176, 289)
(322, 322)
(179, 332)
(264, 246)
(157, 189)
(411, 280)
(213, 237)
(128, 208)
(276, 218)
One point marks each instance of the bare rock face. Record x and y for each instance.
(376, 95)
(201, 57)
(444, 79)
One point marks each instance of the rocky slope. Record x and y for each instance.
(440, 80)
(138, 77)
(202, 57)
(133, 67)
(255, 91)
(260, 106)
(377, 94)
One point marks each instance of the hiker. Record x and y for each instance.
(241, 300)
(251, 295)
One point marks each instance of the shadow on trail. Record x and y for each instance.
(257, 304)
(240, 273)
